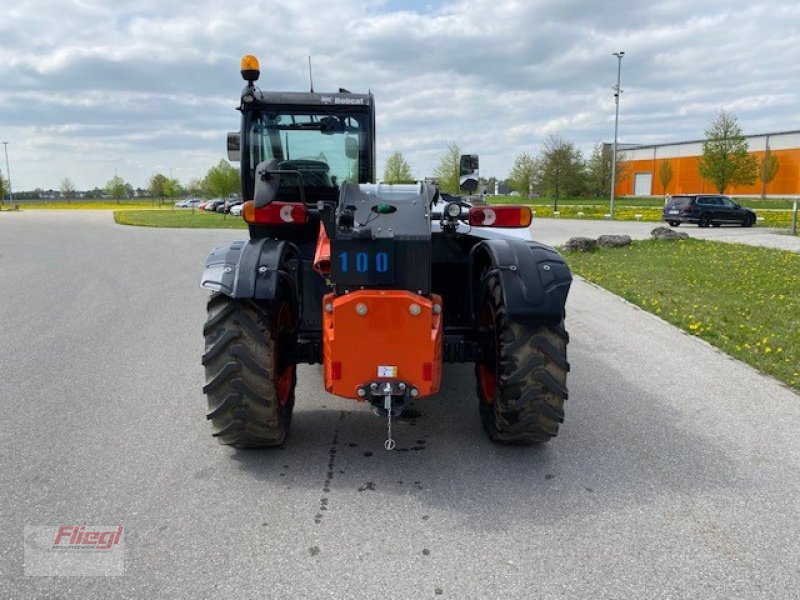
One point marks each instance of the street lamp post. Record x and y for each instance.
(8, 174)
(617, 92)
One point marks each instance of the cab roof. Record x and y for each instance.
(314, 99)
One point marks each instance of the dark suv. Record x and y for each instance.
(705, 210)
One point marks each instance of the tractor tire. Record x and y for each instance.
(250, 389)
(522, 383)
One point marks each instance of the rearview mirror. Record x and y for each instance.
(468, 164)
(468, 172)
(351, 147)
(267, 183)
(331, 125)
(234, 146)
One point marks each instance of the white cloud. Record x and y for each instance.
(91, 86)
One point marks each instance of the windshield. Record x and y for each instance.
(327, 148)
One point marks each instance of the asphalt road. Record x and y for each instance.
(675, 475)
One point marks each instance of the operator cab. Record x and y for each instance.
(325, 138)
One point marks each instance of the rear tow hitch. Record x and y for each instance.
(388, 398)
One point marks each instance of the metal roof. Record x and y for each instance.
(644, 146)
(312, 98)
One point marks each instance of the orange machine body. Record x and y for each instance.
(375, 335)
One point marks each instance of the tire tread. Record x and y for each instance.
(532, 368)
(240, 387)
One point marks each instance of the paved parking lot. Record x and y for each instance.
(675, 475)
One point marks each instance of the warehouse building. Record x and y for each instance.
(643, 164)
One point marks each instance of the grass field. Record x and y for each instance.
(178, 218)
(744, 300)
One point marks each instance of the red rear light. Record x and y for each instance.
(275, 213)
(500, 216)
(336, 370)
(427, 371)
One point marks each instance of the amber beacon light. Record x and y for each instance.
(250, 68)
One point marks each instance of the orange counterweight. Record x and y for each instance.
(382, 335)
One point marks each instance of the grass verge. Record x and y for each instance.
(95, 205)
(742, 299)
(178, 218)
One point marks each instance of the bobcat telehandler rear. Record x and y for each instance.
(381, 284)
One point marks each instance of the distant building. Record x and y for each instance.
(643, 163)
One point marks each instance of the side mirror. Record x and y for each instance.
(468, 172)
(468, 164)
(267, 183)
(351, 147)
(234, 146)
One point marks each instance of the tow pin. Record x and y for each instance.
(389, 444)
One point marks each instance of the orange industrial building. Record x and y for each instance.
(642, 164)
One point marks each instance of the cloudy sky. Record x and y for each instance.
(90, 87)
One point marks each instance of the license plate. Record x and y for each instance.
(674, 212)
(362, 262)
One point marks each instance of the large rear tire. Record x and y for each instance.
(522, 382)
(249, 380)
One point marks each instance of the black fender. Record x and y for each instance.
(250, 269)
(534, 278)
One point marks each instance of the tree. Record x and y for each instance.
(158, 185)
(3, 189)
(115, 187)
(768, 170)
(173, 188)
(726, 160)
(397, 170)
(448, 172)
(222, 180)
(162, 186)
(562, 168)
(525, 172)
(67, 189)
(195, 187)
(598, 169)
(665, 174)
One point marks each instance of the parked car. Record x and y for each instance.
(707, 209)
(236, 209)
(225, 207)
(211, 205)
(188, 203)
